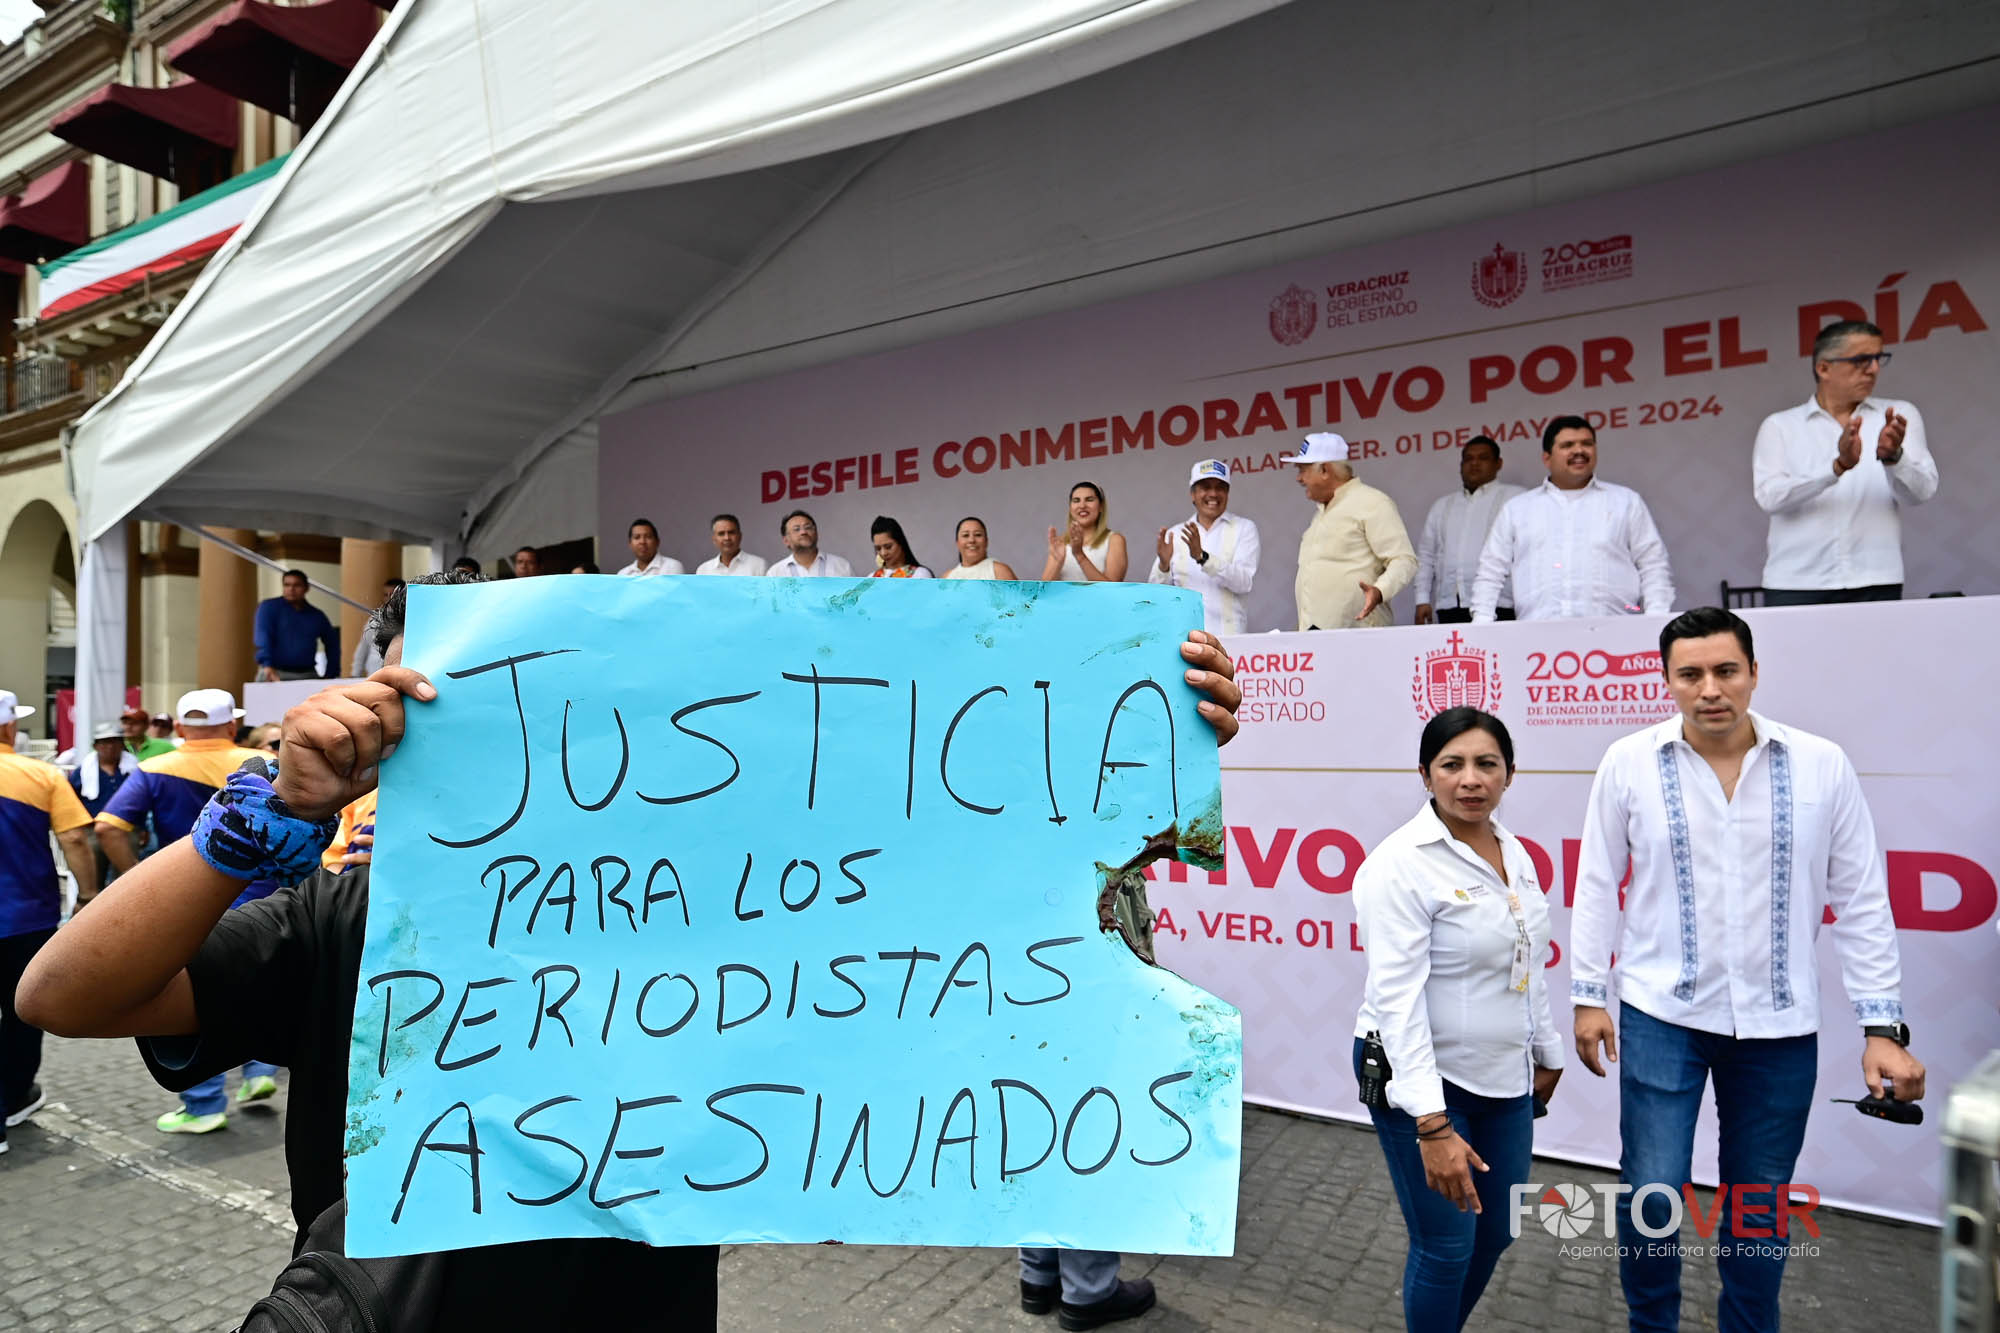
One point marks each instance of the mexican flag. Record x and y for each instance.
(189, 230)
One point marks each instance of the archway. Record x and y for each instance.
(35, 557)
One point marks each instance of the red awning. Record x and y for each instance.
(157, 130)
(49, 218)
(286, 59)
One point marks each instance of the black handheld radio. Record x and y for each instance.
(1375, 1072)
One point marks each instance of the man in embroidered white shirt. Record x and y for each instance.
(804, 559)
(647, 562)
(1215, 552)
(1455, 533)
(1574, 546)
(1834, 474)
(1740, 833)
(730, 558)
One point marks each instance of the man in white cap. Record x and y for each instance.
(95, 775)
(1215, 552)
(1356, 554)
(173, 788)
(35, 801)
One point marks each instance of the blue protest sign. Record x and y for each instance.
(711, 910)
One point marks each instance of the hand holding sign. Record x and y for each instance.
(334, 741)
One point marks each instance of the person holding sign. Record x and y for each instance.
(202, 988)
(892, 552)
(974, 560)
(1456, 1006)
(1087, 550)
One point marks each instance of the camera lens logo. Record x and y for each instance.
(1566, 1211)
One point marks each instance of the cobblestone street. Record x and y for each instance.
(107, 1224)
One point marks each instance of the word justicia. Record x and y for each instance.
(1750, 1211)
(1024, 714)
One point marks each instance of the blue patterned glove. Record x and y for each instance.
(246, 832)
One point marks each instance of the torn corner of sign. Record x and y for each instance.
(827, 933)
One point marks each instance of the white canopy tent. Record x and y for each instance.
(517, 216)
(507, 213)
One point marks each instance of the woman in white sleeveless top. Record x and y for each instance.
(973, 561)
(1091, 552)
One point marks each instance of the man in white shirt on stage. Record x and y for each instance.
(647, 562)
(1455, 534)
(1741, 832)
(729, 557)
(804, 559)
(1574, 546)
(1215, 552)
(1836, 526)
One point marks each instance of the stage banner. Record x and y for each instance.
(1675, 317)
(721, 910)
(1326, 767)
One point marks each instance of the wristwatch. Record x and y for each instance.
(1896, 1032)
(1201, 559)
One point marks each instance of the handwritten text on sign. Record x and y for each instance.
(766, 910)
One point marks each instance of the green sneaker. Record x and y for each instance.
(181, 1121)
(257, 1089)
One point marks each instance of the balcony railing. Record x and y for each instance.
(38, 380)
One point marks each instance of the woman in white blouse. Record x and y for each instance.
(974, 560)
(1457, 938)
(1086, 550)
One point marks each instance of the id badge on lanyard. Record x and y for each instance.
(1523, 947)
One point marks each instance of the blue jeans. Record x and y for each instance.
(1086, 1276)
(1763, 1092)
(209, 1096)
(1452, 1254)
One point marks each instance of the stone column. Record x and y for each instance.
(227, 656)
(364, 567)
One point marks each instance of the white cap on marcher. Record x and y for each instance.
(1209, 469)
(12, 709)
(106, 731)
(207, 708)
(1322, 448)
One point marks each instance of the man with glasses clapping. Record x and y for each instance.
(1833, 473)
